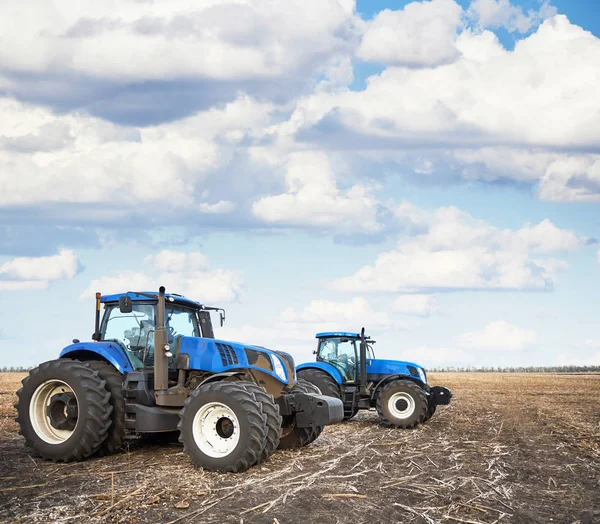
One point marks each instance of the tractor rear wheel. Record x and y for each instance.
(114, 385)
(64, 410)
(271, 412)
(293, 436)
(222, 427)
(402, 403)
(323, 380)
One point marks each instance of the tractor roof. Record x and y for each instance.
(337, 334)
(134, 296)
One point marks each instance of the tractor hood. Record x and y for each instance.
(220, 355)
(393, 367)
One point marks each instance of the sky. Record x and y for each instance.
(428, 170)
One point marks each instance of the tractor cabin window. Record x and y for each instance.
(342, 353)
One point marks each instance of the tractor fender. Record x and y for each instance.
(108, 351)
(399, 376)
(323, 366)
(220, 376)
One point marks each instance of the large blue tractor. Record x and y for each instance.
(346, 368)
(154, 366)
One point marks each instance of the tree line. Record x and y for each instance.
(519, 369)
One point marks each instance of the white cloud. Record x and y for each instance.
(313, 199)
(460, 252)
(501, 13)
(136, 41)
(547, 96)
(344, 316)
(421, 305)
(499, 335)
(184, 273)
(23, 273)
(436, 356)
(578, 360)
(421, 34)
(95, 161)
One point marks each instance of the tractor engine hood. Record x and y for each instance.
(393, 367)
(209, 354)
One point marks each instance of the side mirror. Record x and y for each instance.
(222, 317)
(125, 304)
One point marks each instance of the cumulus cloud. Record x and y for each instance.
(501, 13)
(24, 273)
(345, 316)
(420, 34)
(420, 305)
(313, 199)
(499, 335)
(185, 273)
(460, 252)
(68, 53)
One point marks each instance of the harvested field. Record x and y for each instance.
(512, 448)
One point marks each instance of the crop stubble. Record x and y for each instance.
(511, 448)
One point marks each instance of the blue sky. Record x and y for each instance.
(429, 170)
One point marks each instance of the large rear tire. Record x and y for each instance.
(64, 410)
(222, 427)
(402, 403)
(114, 385)
(273, 420)
(293, 436)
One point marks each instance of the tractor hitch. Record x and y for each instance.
(440, 395)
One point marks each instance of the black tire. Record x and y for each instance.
(352, 415)
(409, 408)
(237, 400)
(430, 410)
(323, 380)
(114, 385)
(88, 401)
(273, 420)
(292, 436)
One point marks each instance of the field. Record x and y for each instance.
(512, 448)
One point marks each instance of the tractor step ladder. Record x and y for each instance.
(350, 400)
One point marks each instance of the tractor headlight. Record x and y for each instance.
(278, 367)
(422, 375)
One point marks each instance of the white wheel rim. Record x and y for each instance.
(39, 406)
(401, 405)
(216, 430)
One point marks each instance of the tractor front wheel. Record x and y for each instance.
(223, 427)
(402, 404)
(64, 410)
(273, 420)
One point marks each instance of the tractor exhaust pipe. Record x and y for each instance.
(363, 363)
(161, 369)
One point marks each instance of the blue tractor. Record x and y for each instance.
(154, 366)
(346, 368)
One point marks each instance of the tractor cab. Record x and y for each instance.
(342, 351)
(132, 327)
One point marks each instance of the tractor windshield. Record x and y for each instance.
(342, 353)
(134, 331)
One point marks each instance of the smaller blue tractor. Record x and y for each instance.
(346, 368)
(154, 366)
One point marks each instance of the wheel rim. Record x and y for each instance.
(401, 405)
(54, 411)
(216, 430)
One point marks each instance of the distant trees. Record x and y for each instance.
(517, 369)
(15, 369)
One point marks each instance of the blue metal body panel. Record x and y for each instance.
(108, 350)
(390, 367)
(337, 334)
(324, 366)
(134, 296)
(205, 355)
